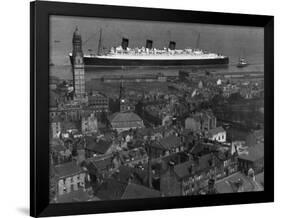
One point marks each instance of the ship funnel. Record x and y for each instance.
(125, 43)
(172, 45)
(149, 44)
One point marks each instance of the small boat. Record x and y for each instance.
(56, 41)
(242, 62)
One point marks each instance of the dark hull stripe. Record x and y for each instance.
(92, 61)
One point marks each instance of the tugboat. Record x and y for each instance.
(242, 62)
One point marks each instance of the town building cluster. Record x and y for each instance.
(146, 144)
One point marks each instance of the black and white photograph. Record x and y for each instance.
(149, 109)
(140, 108)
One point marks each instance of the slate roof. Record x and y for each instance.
(74, 196)
(100, 146)
(55, 142)
(202, 164)
(205, 161)
(260, 178)
(133, 155)
(169, 142)
(102, 163)
(229, 184)
(254, 153)
(79, 143)
(90, 140)
(125, 172)
(156, 144)
(182, 170)
(198, 148)
(257, 135)
(125, 120)
(215, 131)
(86, 114)
(57, 145)
(67, 169)
(124, 117)
(134, 191)
(56, 119)
(110, 189)
(67, 125)
(53, 98)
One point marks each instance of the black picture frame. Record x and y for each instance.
(39, 106)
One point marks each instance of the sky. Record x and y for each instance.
(233, 41)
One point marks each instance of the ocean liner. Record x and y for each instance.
(123, 56)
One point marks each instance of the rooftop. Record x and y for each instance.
(69, 125)
(134, 191)
(254, 153)
(260, 178)
(74, 196)
(237, 182)
(112, 189)
(124, 117)
(126, 172)
(98, 146)
(126, 120)
(216, 130)
(58, 147)
(171, 141)
(67, 169)
(133, 154)
(184, 169)
(101, 163)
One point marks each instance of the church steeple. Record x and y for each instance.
(121, 91)
(122, 100)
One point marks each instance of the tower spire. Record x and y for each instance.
(78, 65)
(100, 43)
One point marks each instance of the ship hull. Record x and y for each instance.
(96, 61)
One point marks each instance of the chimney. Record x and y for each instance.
(172, 45)
(211, 186)
(125, 43)
(149, 174)
(171, 165)
(149, 44)
(251, 174)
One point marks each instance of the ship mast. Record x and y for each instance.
(100, 43)
(198, 41)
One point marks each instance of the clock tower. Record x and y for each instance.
(78, 67)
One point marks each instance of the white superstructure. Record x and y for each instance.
(148, 54)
